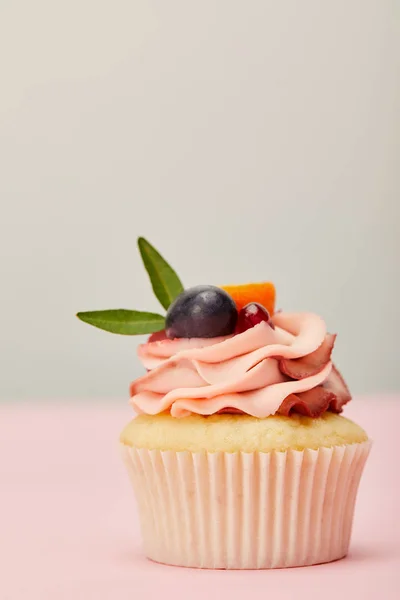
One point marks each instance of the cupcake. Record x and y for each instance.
(238, 455)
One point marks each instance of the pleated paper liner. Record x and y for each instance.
(246, 511)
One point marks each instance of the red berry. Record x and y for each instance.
(158, 336)
(251, 315)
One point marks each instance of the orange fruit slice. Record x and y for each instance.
(263, 293)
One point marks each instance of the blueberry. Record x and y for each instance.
(203, 311)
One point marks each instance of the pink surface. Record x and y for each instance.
(69, 529)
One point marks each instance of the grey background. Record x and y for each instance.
(247, 140)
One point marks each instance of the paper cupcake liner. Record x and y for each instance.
(246, 511)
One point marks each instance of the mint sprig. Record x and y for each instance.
(165, 282)
(124, 322)
(166, 286)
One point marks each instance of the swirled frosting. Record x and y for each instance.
(260, 372)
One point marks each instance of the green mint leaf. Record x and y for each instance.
(124, 322)
(166, 283)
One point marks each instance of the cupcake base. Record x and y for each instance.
(257, 510)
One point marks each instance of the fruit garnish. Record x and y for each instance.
(158, 336)
(203, 311)
(252, 314)
(262, 293)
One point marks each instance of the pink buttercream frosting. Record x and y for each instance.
(259, 372)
